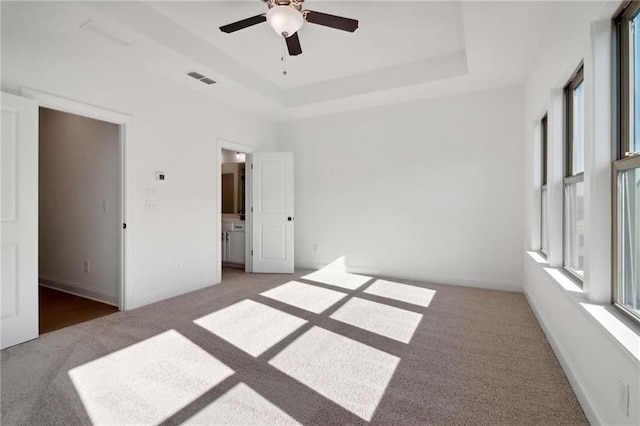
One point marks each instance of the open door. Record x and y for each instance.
(19, 220)
(272, 212)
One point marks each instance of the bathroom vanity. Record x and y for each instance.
(233, 242)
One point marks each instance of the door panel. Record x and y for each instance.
(273, 186)
(273, 223)
(9, 163)
(273, 240)
(19, 220)
(10, 289)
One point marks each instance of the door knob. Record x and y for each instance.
(289, 218)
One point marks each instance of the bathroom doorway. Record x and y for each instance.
(234, 254)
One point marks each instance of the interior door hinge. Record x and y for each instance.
(124, 226)
(251, 252)
(251, 166)
(251, 209)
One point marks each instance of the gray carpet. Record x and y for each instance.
(330, 348)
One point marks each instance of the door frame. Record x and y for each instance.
(124, 121)
(248, 228)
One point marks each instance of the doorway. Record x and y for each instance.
(269, 219)
(80, 205)
(234, 184)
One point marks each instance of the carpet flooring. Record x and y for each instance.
(313, 348)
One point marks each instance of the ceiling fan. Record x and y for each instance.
(286, 17)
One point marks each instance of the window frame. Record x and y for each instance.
(570, 178)
(624, 158)
(625, 107)
(544, 148)
(576, 79)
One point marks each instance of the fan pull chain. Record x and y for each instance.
(283, 58)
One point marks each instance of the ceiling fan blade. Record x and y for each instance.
(293, 44)
(337, 22)
(245, 23)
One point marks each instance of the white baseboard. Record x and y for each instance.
(585, 400)
(463, 282)
(160, 296)
(80, 290)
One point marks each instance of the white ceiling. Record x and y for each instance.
(401, 51)
(401, 41)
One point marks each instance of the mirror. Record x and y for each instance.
(233, 188)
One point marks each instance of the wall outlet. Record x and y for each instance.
(86, 266)
(623, 396)
(150, 205)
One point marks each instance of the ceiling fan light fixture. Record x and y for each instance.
(285, 20)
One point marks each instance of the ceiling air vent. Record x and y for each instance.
(196, 75)
(200, 77)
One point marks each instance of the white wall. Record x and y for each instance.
(79, 171)
(430, 190)
(174, 129)
(595, 351)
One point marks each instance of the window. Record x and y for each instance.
(574, 176)
(627, 165)
(544, 236)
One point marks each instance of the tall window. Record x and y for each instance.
(574, 176)
(544, 236)
(627, 165)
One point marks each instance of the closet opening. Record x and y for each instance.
(80, 207)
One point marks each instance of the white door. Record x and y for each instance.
(19, 220)
(272, 205)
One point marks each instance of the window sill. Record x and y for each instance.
(621, 329)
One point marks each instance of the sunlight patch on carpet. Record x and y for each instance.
(147, 382)
(389, 321)
(337, 278)
(251, 326)
(305, 296)
(349, 373)
(241, 405)
(402, 292)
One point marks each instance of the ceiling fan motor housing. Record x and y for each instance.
(296, 4)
